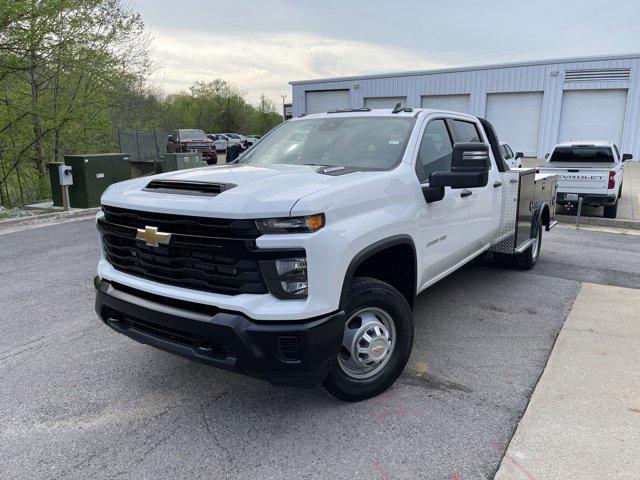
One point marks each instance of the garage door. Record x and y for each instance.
(592, 115)
(384, 102)
(455, 103)
(516, 118)
(325, 100)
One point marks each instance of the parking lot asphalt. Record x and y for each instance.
(80, 401)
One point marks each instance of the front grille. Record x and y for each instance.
(200, 148)
(182, 224)
(207, 254)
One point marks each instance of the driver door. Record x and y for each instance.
(442, 224)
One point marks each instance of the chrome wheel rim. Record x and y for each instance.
(368, 342)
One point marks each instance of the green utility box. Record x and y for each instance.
(170, 162)
(54, 181)
(92, 174)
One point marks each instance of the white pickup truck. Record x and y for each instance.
(300, 261)
(591, 171)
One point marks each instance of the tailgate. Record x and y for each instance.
(580, 179)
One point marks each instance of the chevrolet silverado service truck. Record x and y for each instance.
(300, 261)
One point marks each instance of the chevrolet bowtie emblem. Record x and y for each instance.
(152, 237)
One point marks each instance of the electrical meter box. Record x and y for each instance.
(170, 162)
(65, 175)
(92, 174)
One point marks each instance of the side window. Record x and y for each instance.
(503, 152)
(615, 147)
(509, 151)
(435, 150)
(466, 131)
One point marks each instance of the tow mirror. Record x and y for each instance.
(546, 155)
(519, 155)
(469, 167)
(626, 156)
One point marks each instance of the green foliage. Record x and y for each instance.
(215, 107)
(73, 71)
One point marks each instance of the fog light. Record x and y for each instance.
(295, 288)
(292, 266)
(286, 277)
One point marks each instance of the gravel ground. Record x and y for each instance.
(79, 401)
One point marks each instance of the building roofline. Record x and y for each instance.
(469, 68)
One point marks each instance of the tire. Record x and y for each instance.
(528, 259)
(371, 302)
(620, 191)
(610, 211)
(503, 259)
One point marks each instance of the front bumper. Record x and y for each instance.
(587, 199)
(293, 352)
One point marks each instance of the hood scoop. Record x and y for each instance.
(186, 187)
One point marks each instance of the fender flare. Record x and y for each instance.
(541, 216)
(372, 250)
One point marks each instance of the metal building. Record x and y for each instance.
(532, 105)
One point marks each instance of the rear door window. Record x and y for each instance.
(466, 131)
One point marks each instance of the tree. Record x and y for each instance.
(61, 62)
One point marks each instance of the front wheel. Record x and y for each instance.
(376, 344)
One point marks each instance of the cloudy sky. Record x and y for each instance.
(260, 45)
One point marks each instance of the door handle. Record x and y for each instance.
(466, 193)
(497, 184)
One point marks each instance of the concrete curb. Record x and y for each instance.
(601, 222)
(53, 217)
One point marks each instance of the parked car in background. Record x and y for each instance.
(591, 171)
(514, 161)
(192, 140)
(220, 141)
(246, 142)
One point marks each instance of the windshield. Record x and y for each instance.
(192, 135)
(582, 154)
(359, 142)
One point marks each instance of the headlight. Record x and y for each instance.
(309, 223)
(286, 278)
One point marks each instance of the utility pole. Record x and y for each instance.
(284, 97)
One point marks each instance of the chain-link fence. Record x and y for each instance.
(143, 146)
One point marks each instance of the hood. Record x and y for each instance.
(260, 191)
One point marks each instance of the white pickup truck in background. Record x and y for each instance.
(591, 171)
